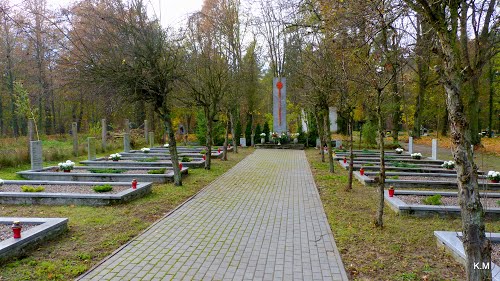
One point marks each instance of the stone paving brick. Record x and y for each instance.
(262, 220)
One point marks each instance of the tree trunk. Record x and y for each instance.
(351, 154)
(381, 178)
(491, 80)
(473, 107)
(233, 132)
(226, 140)
(477, 247)
(208, 135)
(317, 116)
(173, 149)
(446, 123)
(326, 123)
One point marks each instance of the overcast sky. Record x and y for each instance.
(173, 12)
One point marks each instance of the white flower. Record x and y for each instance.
(165, 145)
(399, 149)
(448, 164)
(493, 175)
(145, 149)
(1, 182)
(416, 154)
(115, 156)
(68, 165)
(263, 135)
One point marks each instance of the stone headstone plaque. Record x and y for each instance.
(126, 142)
(104, 133)
(74, 133)
(410, 145)
(318, 143)
(338, 143)
(151, 139)
(91, 150)
(127, 126)
(279, 105)
(434, 149)
(36, 155)
(146, 128)
(243, 142)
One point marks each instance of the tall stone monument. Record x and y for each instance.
(279, 105)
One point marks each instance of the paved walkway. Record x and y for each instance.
(262, 220)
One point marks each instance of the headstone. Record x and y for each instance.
(279, 105)
(243, 142)
(332, 115)
(36, 155)
(74, 132)
(410, 145)
(31, 132)
(104, 133)
(127, 126)
(151, 139)
(91, 148)
(338, 143)
(434, 149)
(126, 142)
(146, 128)
(318, 143)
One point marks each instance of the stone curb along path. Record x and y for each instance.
(262, 220)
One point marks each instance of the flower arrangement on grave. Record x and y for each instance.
(399, 150)
(115, 157)
(284, 138)
(145, 150)
(448, 165)
(66, 166)
(295, 135)
(1, 182)
(494, 176)
(263, 138)
(416, 155)
(166, 145)
(275, 137)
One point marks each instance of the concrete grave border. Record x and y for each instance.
(46, 175)
(47, 228)
(449, 241)
(400, 207)
(104, 162)
(45, 198)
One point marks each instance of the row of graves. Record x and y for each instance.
(426, 186)
(116, 179)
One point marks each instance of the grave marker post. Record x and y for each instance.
(74, 133)
(146, 128)
(36, 155)
(91, 150)
(126, 142)
(410, 145)
(434, 149)
(104, 134)
(151, 139)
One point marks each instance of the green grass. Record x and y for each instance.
(404, 249)
(404, 165)
(433, 200)
(186, 159)
(103, 188)
(95, 232)
(29, 188)
(149, 159)
(106, 171)
(157, 172)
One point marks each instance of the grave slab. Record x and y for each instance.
(46, 228)
(46, 198)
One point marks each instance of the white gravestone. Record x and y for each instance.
(243, 142)
(126, 142)
(91, 148)
(434, 149)
(36, 155)
(410, 145)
